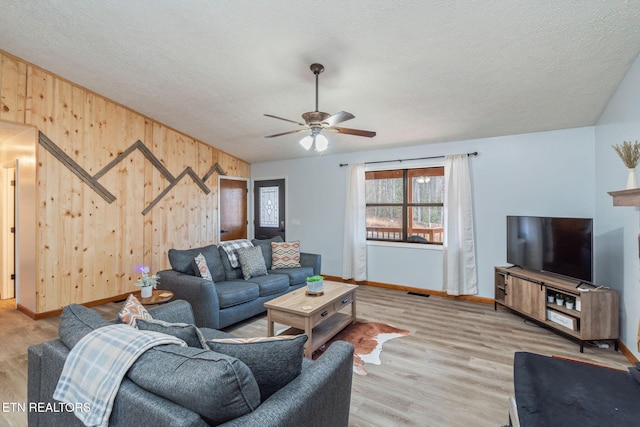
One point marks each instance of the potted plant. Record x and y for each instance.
(630, 155)
(551, 297)
(314, 284)
(569, 301)
(559, 299)
(147, 283)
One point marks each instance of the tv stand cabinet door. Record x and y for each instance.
(527, 297)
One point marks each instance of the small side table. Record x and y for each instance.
(158, 297)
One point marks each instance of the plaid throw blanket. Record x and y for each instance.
(231, 248)
(95, 367)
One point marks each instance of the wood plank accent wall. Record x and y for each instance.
(87, 248)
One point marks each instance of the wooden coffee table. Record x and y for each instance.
(320, 317)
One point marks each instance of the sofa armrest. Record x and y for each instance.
(311, 260)
(320, 396)
(34, 380)
(198, 292)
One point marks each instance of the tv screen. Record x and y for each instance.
(555, 245)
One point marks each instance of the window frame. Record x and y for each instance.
(405, 205)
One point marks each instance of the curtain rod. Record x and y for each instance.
(475, 153)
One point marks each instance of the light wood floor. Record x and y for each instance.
(454, 369)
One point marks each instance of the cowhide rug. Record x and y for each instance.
(367, 339)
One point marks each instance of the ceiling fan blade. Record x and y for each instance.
(357, 132)
(286, 133)
(340, 117)
(286, 120)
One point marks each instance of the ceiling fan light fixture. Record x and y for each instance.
(307, 142)
(316, 121)
(321, 143)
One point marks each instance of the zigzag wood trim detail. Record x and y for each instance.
(74, 167)
(146, 152)
(92, 181)
(187, 171)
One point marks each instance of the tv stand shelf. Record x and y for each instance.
(595, 315)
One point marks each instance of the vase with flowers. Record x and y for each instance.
(147, 283)
(630, 155)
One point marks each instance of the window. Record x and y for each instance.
(269, 212)
(405, 205)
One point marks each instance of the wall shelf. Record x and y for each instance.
(626, 197)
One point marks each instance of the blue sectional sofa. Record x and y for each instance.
(171, 385)
(229, 298)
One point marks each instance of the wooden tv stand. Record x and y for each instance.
(596, 315)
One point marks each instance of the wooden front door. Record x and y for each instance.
(269, 209)
(233, 209)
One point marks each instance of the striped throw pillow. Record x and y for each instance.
(201, 268)
(132, 311)
(285, 255)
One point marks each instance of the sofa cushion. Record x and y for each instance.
(271, 284)
(230, 272)
(201, 268)
(182, 260)
(296, 275)
(285, 255)
(274, 361)
(187, 333)
(236, 292)
(265, 245)
(132, 311)
(251, 262)
(77, 321)
(216, 386)
(176, 311)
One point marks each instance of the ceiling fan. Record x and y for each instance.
(317, 121)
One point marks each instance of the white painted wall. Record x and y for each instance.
(22, 147)
(557, 173)
(617, 228)
(547, 174)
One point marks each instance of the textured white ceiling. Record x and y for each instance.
(414, 71)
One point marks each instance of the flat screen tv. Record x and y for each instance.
(561, 246)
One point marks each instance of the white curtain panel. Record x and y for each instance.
(354, 264)
(460, 277)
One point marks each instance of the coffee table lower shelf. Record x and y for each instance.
(323, 332)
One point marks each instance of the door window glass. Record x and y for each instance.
(269, 214)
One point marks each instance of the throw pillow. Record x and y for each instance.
(77, 321)
(201, 268)
(265, 245)
(274, 361)
(251, 262)
(216, 386)
(285, 255)
(187, 333)
(132, 311)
